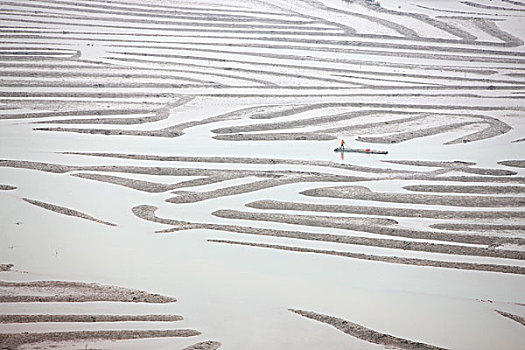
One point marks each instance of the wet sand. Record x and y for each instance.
(222, 116)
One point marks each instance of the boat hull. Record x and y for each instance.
(357, 150)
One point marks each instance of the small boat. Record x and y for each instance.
(359, 150)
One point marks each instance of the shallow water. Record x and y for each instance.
(244, 281)
(240, 295)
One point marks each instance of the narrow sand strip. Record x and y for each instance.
(88, 318)
(13, 341)
(480, 227)
(514, 163)
(364, 193)
(385, 211)
(376, 229)
(147, 212)
(61, 291)
(513, 317)
(66, 211)
(367, 334)
(466, 189)
(387, 259)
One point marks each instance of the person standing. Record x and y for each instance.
(342, 145)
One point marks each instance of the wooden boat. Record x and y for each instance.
(359, 150)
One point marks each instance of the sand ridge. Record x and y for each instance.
(73, 293)
(223, 116)
(388, 259)
(364, 333)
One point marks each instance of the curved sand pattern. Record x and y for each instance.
(147, 212)
(363, 193)
(140, 85)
